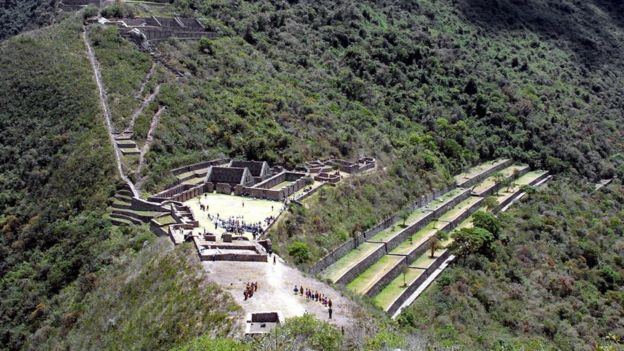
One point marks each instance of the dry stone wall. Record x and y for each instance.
(417, 283)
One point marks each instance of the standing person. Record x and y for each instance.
(329, 303)
(274, 260)
(301, 290)
(330, 312)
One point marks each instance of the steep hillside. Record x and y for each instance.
(426, 87)
(64, 270)
(56, 173)
(552, 281)
(153, 299)
(21, 15)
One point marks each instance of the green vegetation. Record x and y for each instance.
(152, 300)
(299, 251)
(552, 282)
(23, 15)
(68, 277)
(123, 69)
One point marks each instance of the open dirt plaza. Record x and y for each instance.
(244, 209)
(276, 282)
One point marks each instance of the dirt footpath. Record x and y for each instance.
(275, 290)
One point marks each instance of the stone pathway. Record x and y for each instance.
(148, 99)
(145, 81)
(148, 143)
(275, 290)
(107, 115)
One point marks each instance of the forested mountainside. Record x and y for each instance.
(21, 15)
(551, 281)
(60, 258)
(427, 87)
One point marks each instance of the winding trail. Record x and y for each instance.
(148, 143)
(107, 115)
(145, 81)
(140, 109)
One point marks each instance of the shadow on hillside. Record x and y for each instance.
(582, 27)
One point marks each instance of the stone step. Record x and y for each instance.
(128, 151)
(122, 136)
(120, 221)
(125, 217)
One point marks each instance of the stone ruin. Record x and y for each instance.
(148, 29)
(262, 322)
(329, 170)
(243, 178)
(73, 5)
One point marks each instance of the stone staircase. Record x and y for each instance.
(125, 211)
(126, 145)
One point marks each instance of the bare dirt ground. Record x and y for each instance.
(275, 290)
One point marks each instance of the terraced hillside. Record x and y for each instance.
(376, 267)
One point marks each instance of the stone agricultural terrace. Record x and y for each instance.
(375, 266)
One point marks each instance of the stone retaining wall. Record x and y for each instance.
(416, 284)
(142, 205)
(511, 198)
(387, 278)
(420, 250)
(157, 229)
(362, 266)
(481, 176)
(200, 165)
(405, 233)
(498, 186)
(352, 243)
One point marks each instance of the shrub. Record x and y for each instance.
(299, 251)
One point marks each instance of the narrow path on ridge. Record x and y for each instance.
(105, 109)
(140, 109)
(148, 144)
(145, 81)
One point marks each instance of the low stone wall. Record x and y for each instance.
(387, 278)
(362, 266)
(448, 227)
(511, 198)
(498, 186)
(235, 257)
(142, 205)
(481, 176)
(199, 165)
(223, 188)
(157, 229)
(351, 244)
(417, 283)
(263, 189)
(405, 233)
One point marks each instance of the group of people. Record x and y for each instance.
(237, 225)
(250, 289)
(316, 297)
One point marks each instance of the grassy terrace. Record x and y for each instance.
(166, 220)
(417, 215)
(338, 269)
(186, 174)
(386, 297)
(393, 290)
(417, 238)
(515, 187)
(458, 210)
(475, 171)
(491, 181)
(194, 181)
(280, 185)
(369, 277)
